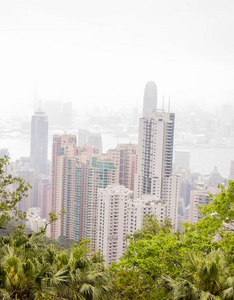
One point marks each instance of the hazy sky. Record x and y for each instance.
(98, 52)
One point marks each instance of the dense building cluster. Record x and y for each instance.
(106, 195)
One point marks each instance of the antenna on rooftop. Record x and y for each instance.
(169, 103)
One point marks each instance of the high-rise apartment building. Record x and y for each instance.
(200, 195)
(155, 153)
(39, 142)
(77, 173)
(98, 172)
(155, 156)
(119, 215)
(112, 221)
(44, 194)
(138, 208)
(62, 147)
(125, 159)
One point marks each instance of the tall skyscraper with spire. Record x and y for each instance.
(150, 98)
(39, 142)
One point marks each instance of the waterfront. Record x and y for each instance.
(202, 159)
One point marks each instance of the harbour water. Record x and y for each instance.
(202, 159)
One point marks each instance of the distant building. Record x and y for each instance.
(44, 196)
(150, 98)
(200, 195)
(82, 137)
(182, 158)
(125, 160)
(231, 173)
(95, 139)
(39, 142)
(22, 169)
(186, 188)
(215, 177)
(4, 152)
(90, 138)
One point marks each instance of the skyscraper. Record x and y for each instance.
(77, 173)
(124, 157)
(112, 222)
(39, 142)
(63, 147)
(150, 98)
(155, 154)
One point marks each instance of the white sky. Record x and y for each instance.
(96, 52)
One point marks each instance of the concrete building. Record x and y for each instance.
(44, 196)
(119, 215)
(200, 195)
(125, 160)
(154, 166)
(150, 98)
(92, 139)
(25, 171)
(155, 153)
(112, 221)
(39, 142)
(215, 177)
(138, 208)
(63, 146)
(77, 173)
(95, 139)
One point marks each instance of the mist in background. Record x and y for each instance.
(101, 53)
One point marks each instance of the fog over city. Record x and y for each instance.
(99, 55)
(116, 146)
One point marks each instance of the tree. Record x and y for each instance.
(156, 251)
(12, 190)
(30, 268)
(152, 251)
(202, 277)
(215, 229)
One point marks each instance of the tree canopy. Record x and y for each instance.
(196, 263)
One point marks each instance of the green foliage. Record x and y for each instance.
(202, 277)
(32, 269)
(12, 190)
(197, 263)
(152, 226)
(152, 251)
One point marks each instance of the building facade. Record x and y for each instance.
(39, 142)
(154, 163)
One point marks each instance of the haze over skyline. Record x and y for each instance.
(103, 53)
